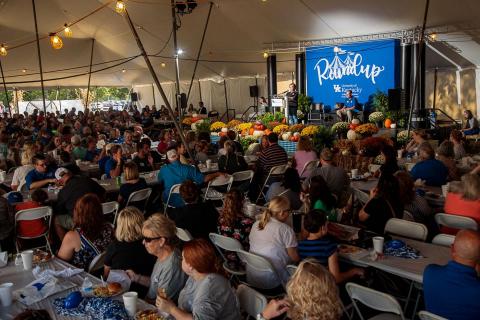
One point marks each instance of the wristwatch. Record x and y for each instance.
(260, 317)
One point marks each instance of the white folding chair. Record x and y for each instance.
(276, 171)
(174, 189)
(251, 301)
(97, 263)
(443, 239)
(184, 235)
(220, 181)
(241, 178)
(111, 208)
(310, 165)
(12, 170)
(425, 315)
(456, 222)
(404, 228)
(104, 177)
(291, 268)
(228, 244)
(374, 299)
(138, 196)
(407, 215)
(361, 196)
(257, 267)
(44, 213)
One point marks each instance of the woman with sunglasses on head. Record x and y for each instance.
(159, 238)
(207, 293)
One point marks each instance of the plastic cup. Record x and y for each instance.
(209, 163)
(6, 293)
(445, 190)
(27, 259)
(354, 173)
(130, 302)
(378, 244)
(78, 162)
(251, 209)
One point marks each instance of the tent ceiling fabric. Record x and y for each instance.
(238, 31)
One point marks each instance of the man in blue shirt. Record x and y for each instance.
(114, 165)
(349, 106)
(176, 173)
(40, 176)
(433, 171)
(452, 291)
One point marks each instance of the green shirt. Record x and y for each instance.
(331, 213)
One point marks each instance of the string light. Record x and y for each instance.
(163, 64)
(24, 70)
(67, 31)
(120, 6)
(265, 54)
(433, 37)
(56, 41)
(179, 51)
(124, 70)
(3, 50)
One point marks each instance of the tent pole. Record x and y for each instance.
(199, 90)
(200, 49)
(5, 88)
(153, 92)
(177, 68)
(89, 74)
(226, 98)
(157, 82)
(39, 56)
(417, 75)
(16, 99)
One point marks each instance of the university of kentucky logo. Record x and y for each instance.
(351, 65)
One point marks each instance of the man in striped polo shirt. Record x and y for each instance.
(273, 155)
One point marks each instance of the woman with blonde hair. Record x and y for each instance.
(26, 161)
(303, 155)
(311, 294)
(419, 137)
(274, 240)
(160, 240)
(133, 182)
(466, 200)
(127, 252)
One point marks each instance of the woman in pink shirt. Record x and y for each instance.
(303, 155)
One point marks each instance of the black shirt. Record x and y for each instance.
(231, 164)
(74, 189)
(129, 255)
(142, 164)
(292, 98)
(128, 188)
(198, 218)
(379, 212)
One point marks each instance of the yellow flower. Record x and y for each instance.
(217, 126)
(244, 126)
(280, 128)
(233, 123)
(309, 131)
(187, 121)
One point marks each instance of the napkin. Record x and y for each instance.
(121, 277)
(40, 289)
(65, 273)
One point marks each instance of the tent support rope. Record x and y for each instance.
(5, 88)
(89, 74)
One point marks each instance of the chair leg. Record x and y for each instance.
(408, 297)
(417, 301)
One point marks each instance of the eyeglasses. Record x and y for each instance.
(148, 240)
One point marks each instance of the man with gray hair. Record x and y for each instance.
(452, 291)
(336, 178)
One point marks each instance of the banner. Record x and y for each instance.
(362, 67)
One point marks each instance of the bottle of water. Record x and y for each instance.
(87, 286)
(18, 259)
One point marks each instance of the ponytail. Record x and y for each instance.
(267, 214)
(277, 205)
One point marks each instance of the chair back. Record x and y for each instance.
(225, 243)
(256, 265)
(97, 263)
(278, 170)
(221, 181)
(373, 299)
(110, 207)
(12, 170)
(140, 195)
(251, 301)
(291, 268)
(443, 239)
(361, 196)
(456, 222)
(174, 189)
(243, 176)
(407, 215)
(404, 228)
(34, 214)
(425, 315)
(184, 235)
(310, 165)
(103, 177)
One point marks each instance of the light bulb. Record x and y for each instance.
(163, 64)
(120, 6)
(3, 50)
(124, 70)
(56, 41)
(67, 31)
(179, 51)
(265, 55)
(433, 37)
(24, 70)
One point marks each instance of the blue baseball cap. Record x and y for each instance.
(14, 197)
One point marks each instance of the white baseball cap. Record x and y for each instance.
(172, 155)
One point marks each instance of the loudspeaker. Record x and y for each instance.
(183, 100)
(396, 99)
(254, 91)
(134, 96)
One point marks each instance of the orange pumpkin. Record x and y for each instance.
(221, 134)
(284, 120)
(250, 132)
(267, 131)
(244, 132)
(388, 123)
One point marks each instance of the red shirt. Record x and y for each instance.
(32, 228)
(455, 204)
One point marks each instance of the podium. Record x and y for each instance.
(279, 104)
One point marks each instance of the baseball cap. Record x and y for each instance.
(172, 155)
(60, 172)
(14, 197)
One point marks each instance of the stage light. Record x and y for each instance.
(163, 64)
(179, 51)
(124, 70)
(3, 50)
(120, 6)
(67, 31)
(265, 54)
(56, 41)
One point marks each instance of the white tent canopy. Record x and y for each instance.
(238, 33)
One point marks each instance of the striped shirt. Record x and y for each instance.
(320, 249)
(273, 156)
